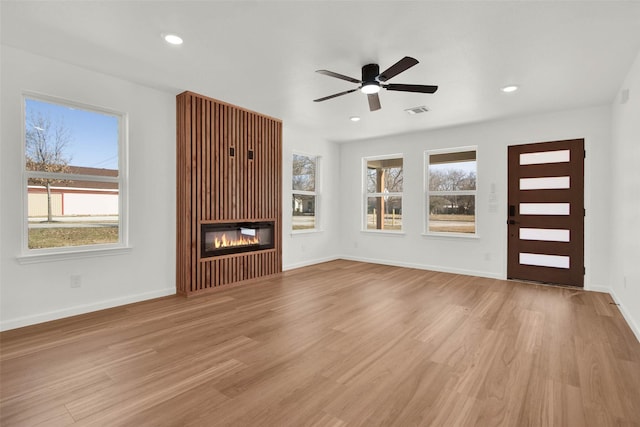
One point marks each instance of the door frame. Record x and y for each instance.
(575, 276)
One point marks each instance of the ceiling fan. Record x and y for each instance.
(373, 80)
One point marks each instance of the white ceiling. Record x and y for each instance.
(262, 55)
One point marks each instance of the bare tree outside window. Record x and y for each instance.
(451, 194)
(384, 181)
(45, 151)
(73, 182)
(392, 181)
(304, 195)
(452, 181)
(304, 173)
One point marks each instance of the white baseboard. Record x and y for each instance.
(598, 288)
(635, 328)
(424, 267)
(82, 309)
(309, 262)
(87, 308)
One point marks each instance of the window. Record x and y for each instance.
(305, 196)
(383, 198)
(73, 158)
(451, 191)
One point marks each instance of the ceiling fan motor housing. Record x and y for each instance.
(370, 73)
(370, 83)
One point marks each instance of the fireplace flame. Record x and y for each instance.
(225, 242)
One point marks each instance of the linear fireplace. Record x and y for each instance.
(229, 172)
(236, 237)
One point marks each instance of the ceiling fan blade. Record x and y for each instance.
(338, 76)
(411, 88)
(374, 101)
(335, 95)
(397, 68)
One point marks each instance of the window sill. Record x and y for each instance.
(452, 235)
(384, 232)
(71, 255)
(308, 231)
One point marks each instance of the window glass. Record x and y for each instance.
(304, 173)
(61, 138)
(304, 194)
(72, 173)
(384, 184)
(451, 191)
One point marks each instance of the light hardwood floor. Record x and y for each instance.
(336, 344)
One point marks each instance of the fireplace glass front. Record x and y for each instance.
(236, 237)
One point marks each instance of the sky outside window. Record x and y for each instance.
(94, 136)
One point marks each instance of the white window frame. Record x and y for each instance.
(366, 194)
(71, 252)
(316, 194)
(427, 193)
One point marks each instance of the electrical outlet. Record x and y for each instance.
(75, 281)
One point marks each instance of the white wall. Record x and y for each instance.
(625, 201)
(300, 249)
(485, 255)
(31, 293)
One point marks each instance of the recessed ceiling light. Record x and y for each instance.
(354, 118)
(172, 39)
(510, 88)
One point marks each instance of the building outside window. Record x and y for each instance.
(305, 193)
(74, 180)
(451, 191)
(383, 177)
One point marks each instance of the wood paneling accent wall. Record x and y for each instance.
(218, 181)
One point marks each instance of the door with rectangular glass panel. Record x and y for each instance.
(546, 212)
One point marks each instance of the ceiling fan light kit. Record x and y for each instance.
(372, 81)
(370, 88)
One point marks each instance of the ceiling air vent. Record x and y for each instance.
(417, 110)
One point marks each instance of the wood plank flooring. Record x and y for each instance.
(335, 344)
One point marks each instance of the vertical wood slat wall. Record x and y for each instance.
(213, 186)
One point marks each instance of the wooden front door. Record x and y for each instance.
(546, 212)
